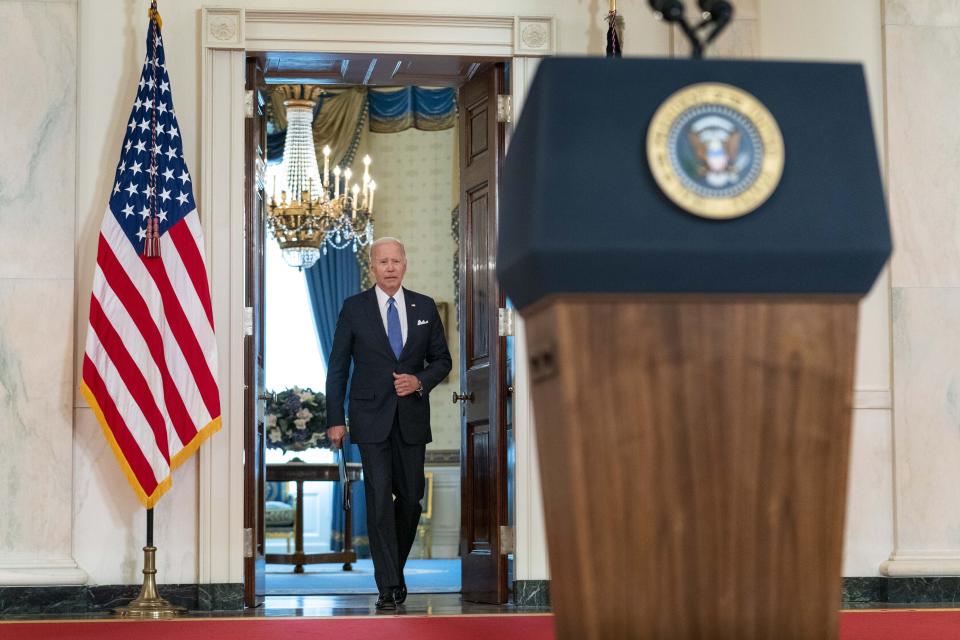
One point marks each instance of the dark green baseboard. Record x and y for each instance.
(531, 593)
(856, 591)
(943, 590)
(16, 601)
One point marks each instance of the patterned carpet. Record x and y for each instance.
(423, 576)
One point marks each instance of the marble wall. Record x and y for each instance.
(415, 177)
(826, 30)
(53, 188)
(38, 43)
(109, 522)
(921, 46)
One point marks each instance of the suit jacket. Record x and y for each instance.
(360, 338)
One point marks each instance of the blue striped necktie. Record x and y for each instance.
(393, 328)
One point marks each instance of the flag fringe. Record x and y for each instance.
(148, 501)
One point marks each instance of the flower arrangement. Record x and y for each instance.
(296, 420)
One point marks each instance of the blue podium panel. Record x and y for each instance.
(581, 212)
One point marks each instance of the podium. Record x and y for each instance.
(692, 371)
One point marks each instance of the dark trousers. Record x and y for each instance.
(394, 484)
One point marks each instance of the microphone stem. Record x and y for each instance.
(720, 26)
(696, 48)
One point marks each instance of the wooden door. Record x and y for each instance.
(483, 448)
(253, 439)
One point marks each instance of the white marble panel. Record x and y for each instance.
(941, 13)
(873, 340)
(747, 9)
(36, 396)
(923, 151)
(926, 379)
(868, 537)
(38, 42)
(109, 523)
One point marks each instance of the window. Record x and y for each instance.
(292, 349)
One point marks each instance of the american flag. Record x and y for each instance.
(150, 365)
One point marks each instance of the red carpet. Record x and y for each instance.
(924, 624)
(854, 625)
(506, 627)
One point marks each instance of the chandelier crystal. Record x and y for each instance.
(322, 210)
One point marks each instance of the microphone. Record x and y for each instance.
(718, 9)
(669, 10)
(717, 12)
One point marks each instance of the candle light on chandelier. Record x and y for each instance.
(318, 216)
(326, 165)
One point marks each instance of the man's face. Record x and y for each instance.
(388, 265)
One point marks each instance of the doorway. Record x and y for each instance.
(226, 34)
(416, 162)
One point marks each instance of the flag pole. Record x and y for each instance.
(149, 604)
(614, 44)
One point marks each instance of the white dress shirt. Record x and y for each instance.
(382, 302)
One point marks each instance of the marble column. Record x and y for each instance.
(922, 52)
(38, 44)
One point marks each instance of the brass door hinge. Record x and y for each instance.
(507, 542)
(248, 543)
(248, 321)
(504, 109)
(505, 322)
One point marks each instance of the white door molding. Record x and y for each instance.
(227, 35)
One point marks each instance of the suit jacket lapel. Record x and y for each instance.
(410, 301)
(373, 311)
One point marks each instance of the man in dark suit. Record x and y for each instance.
(395, 340)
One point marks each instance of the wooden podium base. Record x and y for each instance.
(693, 453)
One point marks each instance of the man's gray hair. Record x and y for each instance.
(387, 240)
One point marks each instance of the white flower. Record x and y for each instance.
(300, 424)
(274, 435)
(306, 396)
(304, 414)
(270, 420)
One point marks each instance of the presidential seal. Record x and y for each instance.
(715, 150)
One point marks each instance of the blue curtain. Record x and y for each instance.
(425, 109)
(335, 277)
(391, 110)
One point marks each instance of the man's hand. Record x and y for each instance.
(336, 434)
(405, 384)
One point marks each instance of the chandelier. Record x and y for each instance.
(321, 211)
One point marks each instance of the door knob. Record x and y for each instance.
(272, 397)
(461, 398)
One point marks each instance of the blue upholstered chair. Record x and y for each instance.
(280, 515)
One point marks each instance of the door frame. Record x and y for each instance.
(227, 34)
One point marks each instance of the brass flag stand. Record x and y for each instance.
(149, 604)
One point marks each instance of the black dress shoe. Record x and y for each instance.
(400, 594)
(386, 602)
